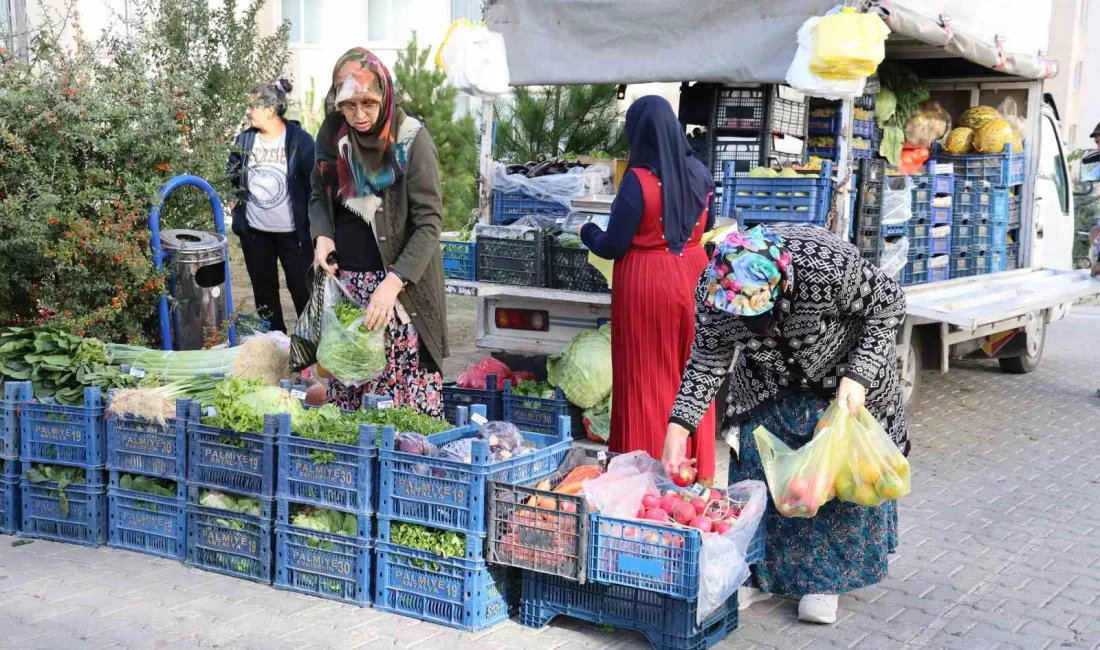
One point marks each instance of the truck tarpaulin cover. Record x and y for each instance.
(739, 41)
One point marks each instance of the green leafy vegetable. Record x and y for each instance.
(58, 364)
(329, 424)
(886, 103)
(63, 476)
(230, 503)
(583, 371)
(347, 349)
(531, 388)
(326, 520)
(893, 141)
(241, 404)
(444, 543)
(148, 485)
(406, 420)
(598, 419)
(570, 240)
(908, 94)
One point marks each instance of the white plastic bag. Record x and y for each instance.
(722, 566)
(475, 60)
(895, 257)
(801, 78)
(558, 188)
(1010, 113)
(618, 493)
(897, 204)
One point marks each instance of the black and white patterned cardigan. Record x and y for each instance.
(839, 319)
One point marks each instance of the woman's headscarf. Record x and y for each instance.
(354, 164)
(748, 273)
(658, 143)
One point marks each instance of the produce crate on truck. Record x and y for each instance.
(804, 199)
(776, 109)
(540, 415)
(459, 259)
(222, 459)
(469, 595)
(972, 233)
(231, 543)
(14, 394)
(327, 565)
(932, 199)
(450, 494)
(147, 523)
(998, 169)
(328, 474)
(65, 435)
(510, 206)
(454, 397)
(10, 513)
(970, 263)
(510, 255)
(139, 446)
(567, 268)
(75, 513)
(667, 623)
(916, 268)
(867, 216)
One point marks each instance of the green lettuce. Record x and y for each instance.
(583, 371)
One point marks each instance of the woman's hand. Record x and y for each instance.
(851, 395)
(324, 247)
(382, 301)
(675, 448)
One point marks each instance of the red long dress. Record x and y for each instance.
(652, 329)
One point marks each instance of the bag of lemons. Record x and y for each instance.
(848, 45)
(873, 469)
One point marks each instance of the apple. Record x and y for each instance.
(684, 513)
(650, 501)
(721, 527)
(641, 513)
(701, 523)
(685, 475)
(669, 501)
(657, 514)
(699, 505)
(796, 488)
(569, 507)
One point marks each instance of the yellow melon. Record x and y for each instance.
(960, 141)
(993, 137)
(977, 117)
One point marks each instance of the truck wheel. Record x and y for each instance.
(910, 374)
(1036, 341)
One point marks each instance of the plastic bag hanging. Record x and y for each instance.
(801, 480)
(873, 470)
(848, 45)
(307, 332)
(800, 77)
(475, 60)
(347, 350)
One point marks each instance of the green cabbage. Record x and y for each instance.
(886, 103)
(583, 371)
(349, 351)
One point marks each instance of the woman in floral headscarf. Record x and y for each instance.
(797, 318)
(375, 216)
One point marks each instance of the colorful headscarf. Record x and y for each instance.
(748, 273)
(359, 165)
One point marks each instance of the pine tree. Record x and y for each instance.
(423, 93)
(559, 121)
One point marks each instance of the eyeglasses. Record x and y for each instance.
(367, 108)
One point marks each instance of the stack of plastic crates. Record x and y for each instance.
(459, 259)
(147, 494)
(929, 229)
(442, 498)
(867, 216)
(492, 398)
(825, 125)
(58, 445)
(511, 206)
(1005, 246)
(754, 126)
(230, 495)
(511, 255)
(972, 229)
(803, 199)
(12, 396)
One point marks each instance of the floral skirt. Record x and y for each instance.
(405, 378)
(844, 548)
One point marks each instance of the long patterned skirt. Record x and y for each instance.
(844, 548)
(405, 378)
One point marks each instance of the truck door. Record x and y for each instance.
(1053, 231)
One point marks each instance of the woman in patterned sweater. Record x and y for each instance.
(797, 318)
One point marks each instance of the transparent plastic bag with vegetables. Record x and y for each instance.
(873, 470)
(802, 480)
(348, 350)
(737, 512)
(303, 343)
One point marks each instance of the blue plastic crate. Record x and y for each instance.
(10, 513)
(454, 397)
(147, 523)
(865, 129)
(972, 204)
(64, 435)
(337, 567)
(449, 494)
(330, 475)
(15, 393)
(998, 235)
(10, 468)
(940, 240)
(998, 260)
(510, 206)
(456, 592)
(896, 230)
(1012, 257)
(459, 259)
(939, 272)
(84, 524)
(652, 557)
(533, 413)
(970, 263)
(927, 186)
(242, 463)
(824, 125)
(971, 234)
(475, 544)
(142, 447)
(830, 153)
(999, 170)
(791, 200)
(667, 623)
(229, 543)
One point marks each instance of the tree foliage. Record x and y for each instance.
(559, 120)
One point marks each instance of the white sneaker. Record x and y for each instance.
(818, 608)
(747, 596)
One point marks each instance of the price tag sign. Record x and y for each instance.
(384, 405)
(298, 394)
(137, 372)
(601, 456)
(698, 490)
(478, 419)
(211, 411)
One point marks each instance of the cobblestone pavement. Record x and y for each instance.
(1000, 549)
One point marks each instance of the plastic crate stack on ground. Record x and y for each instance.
(146, 497)
(431, 559)
(12, 396)
(929, 229)
(972, 228)
(871, 235)
(491, 398)
(797, 199)
(754, 126)
(230, 496)
(63, 489)
(825, 126)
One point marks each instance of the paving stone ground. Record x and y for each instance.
(1000, 548)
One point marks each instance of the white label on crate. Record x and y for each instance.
(298, 394)
(211, 411)
(137, 372)
(384, 405)
(601, 456)
(479, 419)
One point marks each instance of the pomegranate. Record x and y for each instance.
(685, 475)
(701, 523)
(684, 513)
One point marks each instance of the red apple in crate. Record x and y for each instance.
(702, 523)
(657, 514)
(699, 505)
(685, 475)
(650, 501)
(670, 501)
(684, 513)
(721, 527)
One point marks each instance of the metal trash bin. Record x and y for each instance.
(196, 284)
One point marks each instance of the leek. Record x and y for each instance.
(171, 366)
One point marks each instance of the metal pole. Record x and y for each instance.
(843, 171)
(486, 197)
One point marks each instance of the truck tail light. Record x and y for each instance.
(534, 320)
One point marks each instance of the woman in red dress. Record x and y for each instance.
(653, 234)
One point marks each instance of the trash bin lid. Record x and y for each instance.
(192, 241)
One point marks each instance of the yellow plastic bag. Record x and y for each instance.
(848, 45)
(802, 480)
(873, 470)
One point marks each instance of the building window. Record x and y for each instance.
(470, 9)
(1084, 19)
(1077, 75)
(380, 20)
(305, 21)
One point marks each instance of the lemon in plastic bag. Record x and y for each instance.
(848, 45)
(873, 470)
